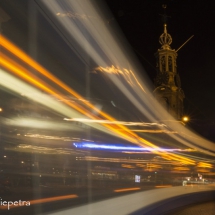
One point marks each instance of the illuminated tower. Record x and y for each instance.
(168, 87)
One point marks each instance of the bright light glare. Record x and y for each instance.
(185, 119)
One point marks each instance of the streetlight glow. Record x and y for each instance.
(185, 119)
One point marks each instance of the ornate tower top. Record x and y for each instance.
(165, 39)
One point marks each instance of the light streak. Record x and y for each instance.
(128, 75)
(120, 147)
(22, 72)
(124, 160)
(127, 189)
(38, 123)
(204, 165)
(23, 56)
(52, 199)
(181, 168)
(72, 15)
(155, 131)
(125, 133)
(163, 186)
(43, 150)
(98, 31)
(151, 165)
(118, 55)
(203, 170)
(116, 122)
(9, 64)
(12, 66)
(14, 84)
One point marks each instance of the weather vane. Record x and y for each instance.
(164, 16)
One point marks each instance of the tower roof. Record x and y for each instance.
(165, 39)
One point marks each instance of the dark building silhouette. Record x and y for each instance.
(168, 87)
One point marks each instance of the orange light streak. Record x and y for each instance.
(126, 134)
(20, 71)
(52, 199)
(23, 56)
(163, 186)
(127, 189)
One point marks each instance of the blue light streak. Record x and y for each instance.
(118, 147)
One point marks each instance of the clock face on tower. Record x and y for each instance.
(162, 78)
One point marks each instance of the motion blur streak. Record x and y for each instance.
(12, 66)
(134, 161)
(205, 165)
(21, 87)
(23, 73)
(155, 131)
(104, 39)
(20, 54)
(47, 89)
(23, 56)
(128, 75)
(121, 134)
(51, 199)
(163, 186)
(119, 147)
(127, 189)
(117, 122)
(15, 68)
(126, 133)
(36, 66)
(96, 27)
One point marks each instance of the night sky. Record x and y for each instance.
(141, 23)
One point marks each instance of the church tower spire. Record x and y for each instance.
(168, 87)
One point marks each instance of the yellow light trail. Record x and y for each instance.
(126, 134)
(205, 165)
(127, 189)
(23, 56)
(117, 71)
(163, 186)
(20, 71)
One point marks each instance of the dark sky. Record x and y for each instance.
(141, 23)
